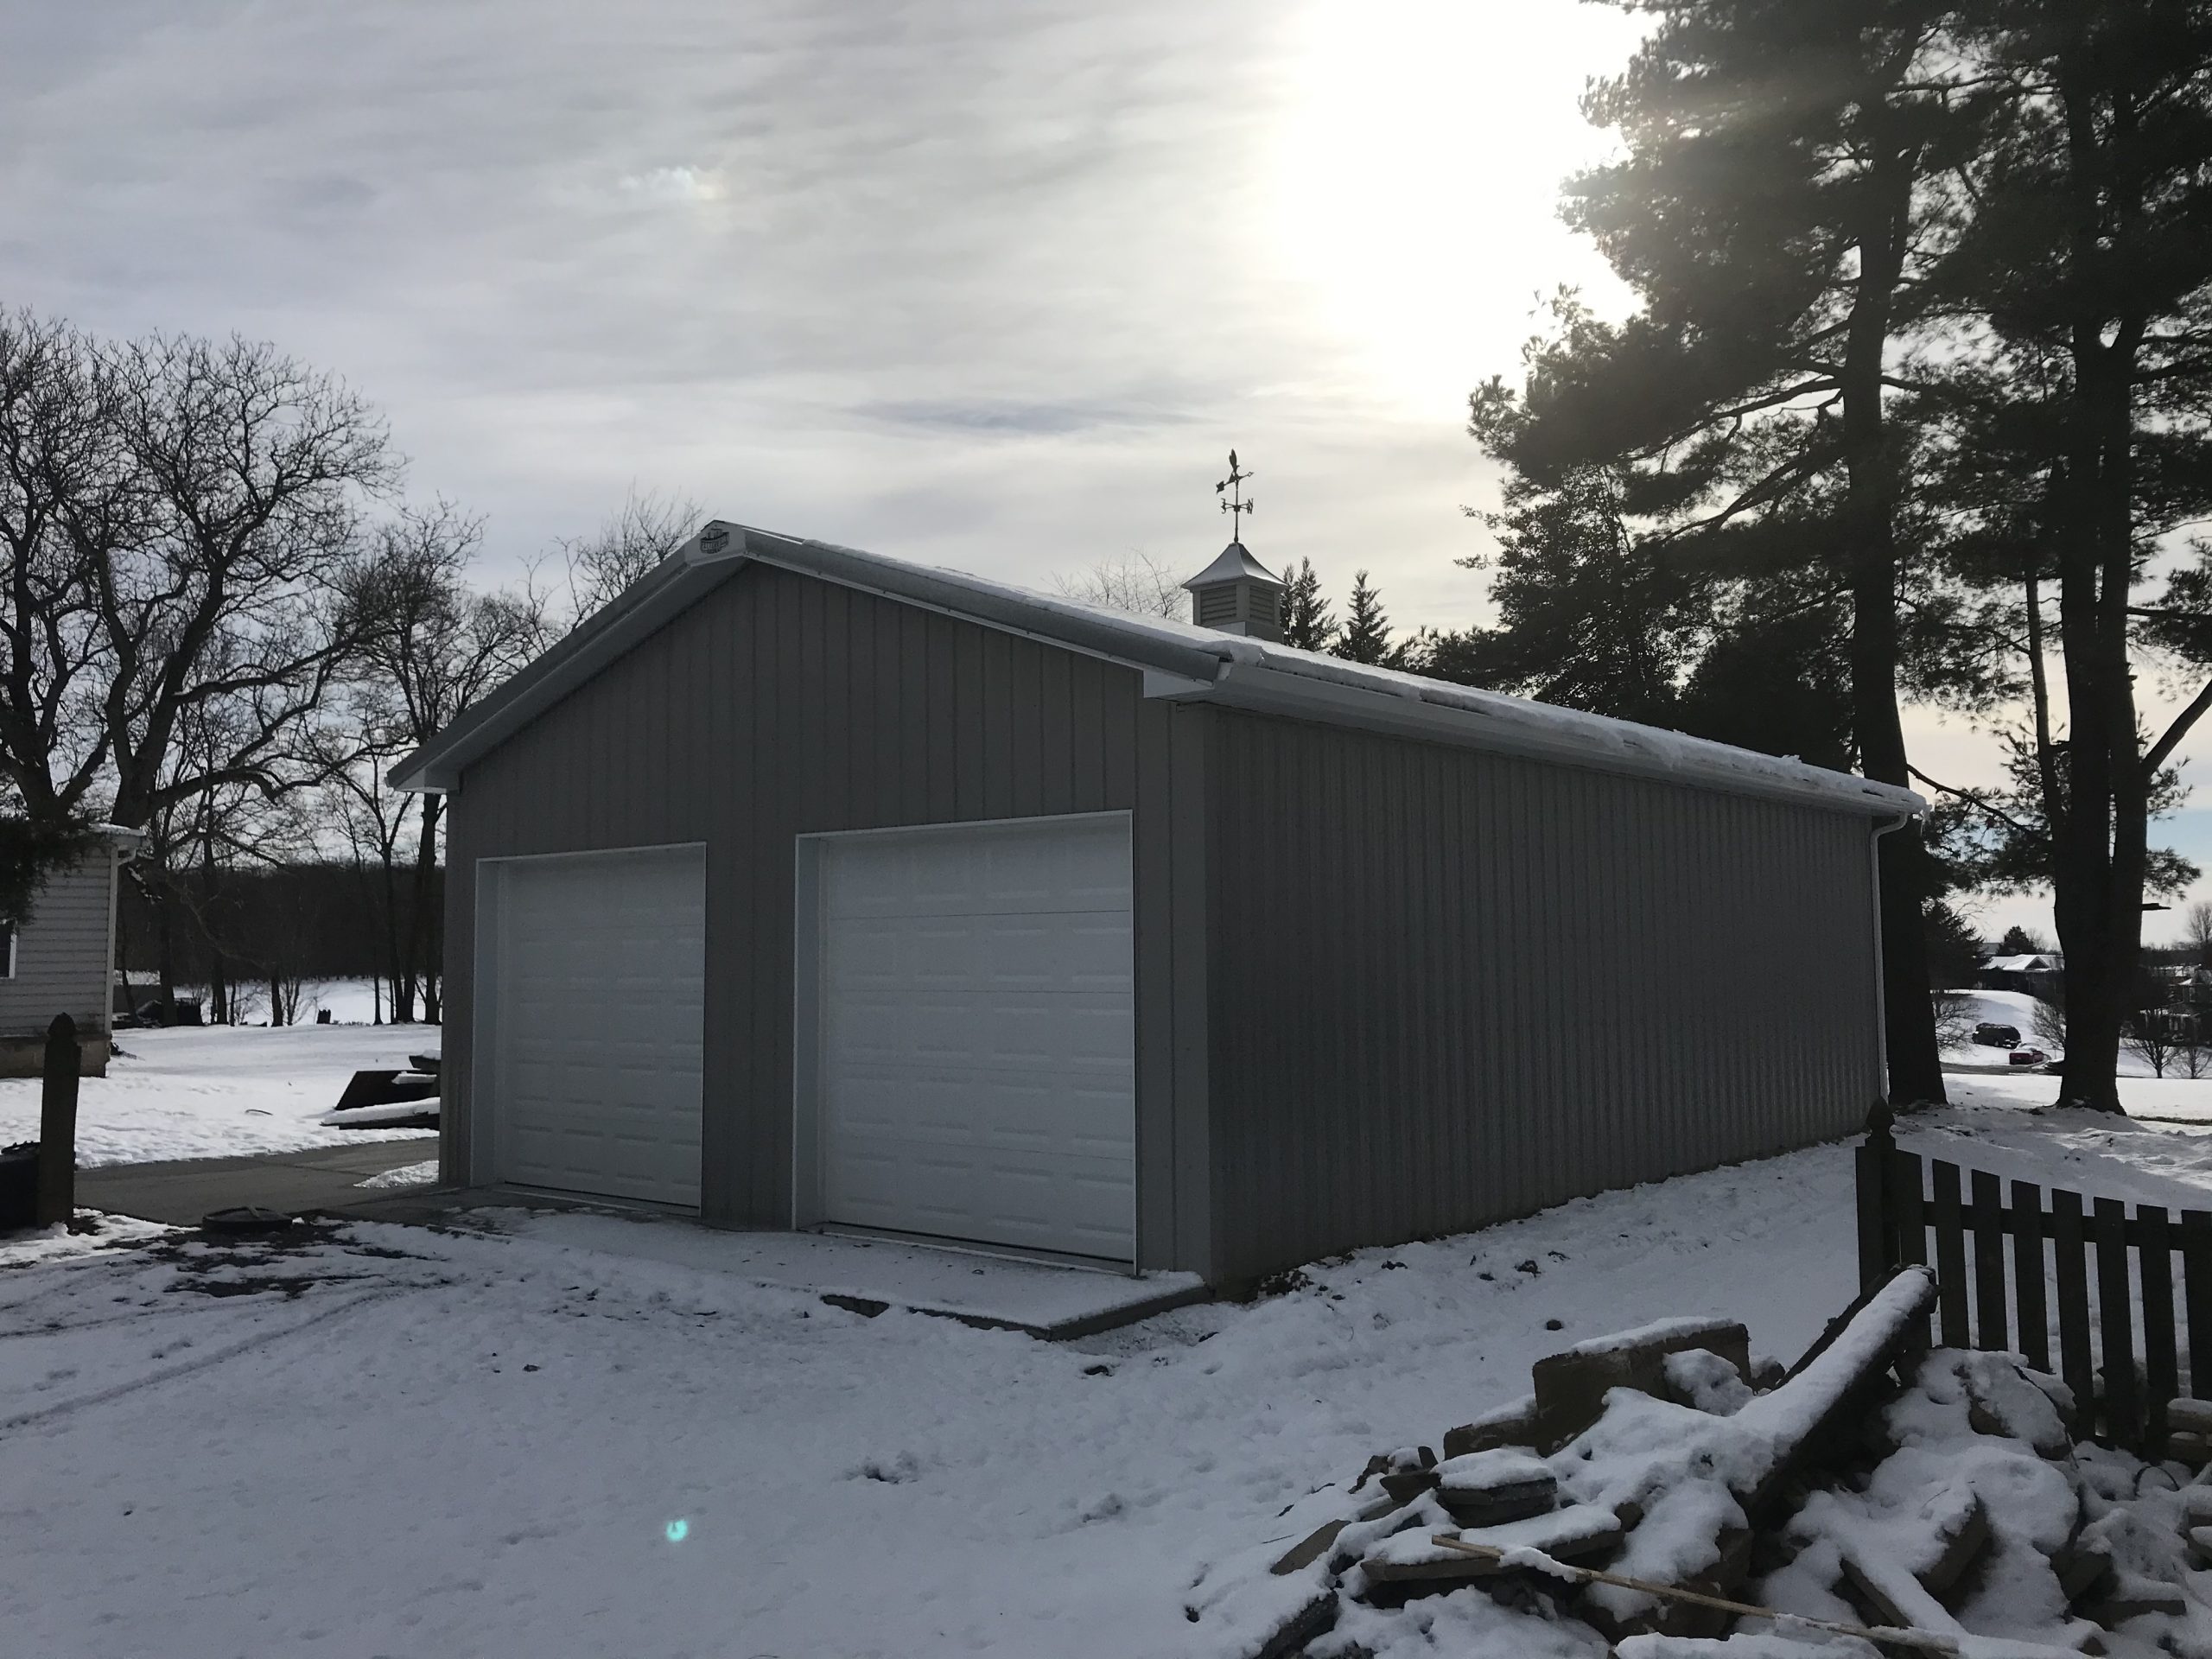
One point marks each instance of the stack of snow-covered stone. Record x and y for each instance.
(1934, 1499)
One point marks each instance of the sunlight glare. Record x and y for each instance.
(1415, 130)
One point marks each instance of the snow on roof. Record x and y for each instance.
(1199, 664)
(2042, 962)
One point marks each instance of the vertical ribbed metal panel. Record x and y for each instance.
(780, 705)
(1448, 987)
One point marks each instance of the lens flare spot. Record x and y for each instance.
(677, 1531)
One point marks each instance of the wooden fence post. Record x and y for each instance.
(57, 1125)
(1877, 1252)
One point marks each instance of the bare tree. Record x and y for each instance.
(196, 844)
(365, 820)
(1955, 1018)
(2149, 1035)
(2049, 1023)
(2190, 1051)
(645, 530)
(2197, 924)
(253, 468)
(428, 646)
(2152, 1030)
(61, 452)
(1135, 583)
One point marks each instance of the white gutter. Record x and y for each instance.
(1881, 990)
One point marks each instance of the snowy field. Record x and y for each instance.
(2018, 1009)
(220, 1091)
(519, 1445)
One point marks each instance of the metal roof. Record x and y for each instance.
(1179, 660)
(1236, 563)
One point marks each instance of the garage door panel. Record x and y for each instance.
(977, 1033)
(1086, 868)
(598, 999)
(1036, 951)
(939, 1033)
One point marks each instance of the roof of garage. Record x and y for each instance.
(1179, 660)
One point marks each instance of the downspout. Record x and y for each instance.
(1874, 900)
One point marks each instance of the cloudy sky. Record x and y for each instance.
(995, 285)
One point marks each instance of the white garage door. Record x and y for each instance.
(596, 972)
(977, 1031)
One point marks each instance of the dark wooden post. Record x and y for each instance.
(57, 1125)
(1877, 1252)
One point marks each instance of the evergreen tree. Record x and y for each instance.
(1954, 948)
(1777, 677)
(2018, 941)
(1588, 616)
(1308, 622)
(1366, 634)
(2087, 265)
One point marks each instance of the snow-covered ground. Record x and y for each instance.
(2018, 1010)
(2180, 1099)
(526, 1443)
(2013, 1008)
(218, 1092)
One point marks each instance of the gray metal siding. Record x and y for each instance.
(62, 956)
(1447, 988)
(780, 704)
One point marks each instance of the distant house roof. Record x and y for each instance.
(1179, 660)
(2044, 962)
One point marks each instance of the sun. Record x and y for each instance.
(1416, 179)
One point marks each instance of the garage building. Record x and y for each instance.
(805, 887)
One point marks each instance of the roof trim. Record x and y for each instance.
(1179, 661)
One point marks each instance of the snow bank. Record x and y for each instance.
(218, 1092)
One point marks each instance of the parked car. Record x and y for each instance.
(2030, 1056)
(1991, 1035)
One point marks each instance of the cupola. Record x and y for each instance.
(1237, 595)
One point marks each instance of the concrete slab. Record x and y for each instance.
(183, 1191)
(868, 1275)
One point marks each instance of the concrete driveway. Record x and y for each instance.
(325, 1178)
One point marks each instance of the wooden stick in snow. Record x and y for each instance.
(1925, 1641)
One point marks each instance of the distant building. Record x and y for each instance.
(2043, 973)
(60, 959)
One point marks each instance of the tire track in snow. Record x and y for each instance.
(198, 1363)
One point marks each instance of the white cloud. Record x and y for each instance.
(949, 277)
(681, 185)
(994, 284)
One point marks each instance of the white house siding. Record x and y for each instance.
(62, 957)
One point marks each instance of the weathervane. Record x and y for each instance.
(1236, 507)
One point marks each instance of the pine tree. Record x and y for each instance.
(1588, 616)
(1954, 948)
(2086, 261)
(1775, 678)
(1366, 635)
(1308, 622)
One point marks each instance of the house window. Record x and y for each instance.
(7, 947)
